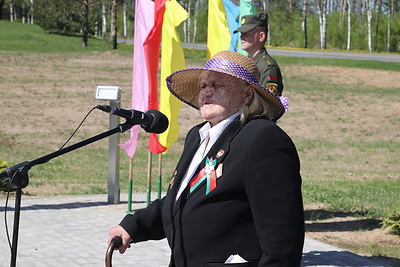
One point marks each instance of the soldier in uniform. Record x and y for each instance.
(254, 31)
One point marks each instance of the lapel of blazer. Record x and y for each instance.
(192, 144)
(219, 150)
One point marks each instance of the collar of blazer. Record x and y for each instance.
(220, 149)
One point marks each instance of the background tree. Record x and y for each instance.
(369, 21)
(63, 17)
(114, 24)
(85, 19)
(304, 23)
(378, 7)
(349, 7)
(322, 10)
(293, 23)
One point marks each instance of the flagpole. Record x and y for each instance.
(159, 175)
(149, 160)
(130, 185)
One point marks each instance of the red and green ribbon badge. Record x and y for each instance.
(273, 79)
(207, 173)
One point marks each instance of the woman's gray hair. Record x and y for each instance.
(257, 107)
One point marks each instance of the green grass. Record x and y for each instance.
(372, 198)
(348, 63)
(25, 37)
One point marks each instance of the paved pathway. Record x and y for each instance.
(73, 231)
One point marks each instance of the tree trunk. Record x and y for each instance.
(197, 6)
(104, 20)
(268, 30)
(304, 23)
(361, 15)
(85, 23)
(125, 20)
(185, 24)
(2, 2)
(12, 11)
(114, 24)
(264, 5)
(349, 7)
(342, 10)
(321, 7)
(394, 8)
(32, 9)
(378, 11)
(359, 11)
(189, 22)
(388, 28)
(369, 18)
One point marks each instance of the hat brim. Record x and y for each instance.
(245, 28)
(184, 84)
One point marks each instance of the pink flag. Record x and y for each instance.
(152, 55)
(144, 22)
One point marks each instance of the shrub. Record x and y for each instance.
(3, 166)
(393, 223)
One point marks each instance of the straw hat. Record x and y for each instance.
(185, 85)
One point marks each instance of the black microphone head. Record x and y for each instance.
(159, 124)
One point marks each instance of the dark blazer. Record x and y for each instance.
(255, 210)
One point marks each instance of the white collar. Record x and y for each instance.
(217, 129)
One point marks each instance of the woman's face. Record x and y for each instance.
(221, 96)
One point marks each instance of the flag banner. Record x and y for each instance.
(172, 59)
(144, 21)
(232, 16)
(218, 35)
(246, 8)
(152, 53)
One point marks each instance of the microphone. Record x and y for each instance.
(152, 121)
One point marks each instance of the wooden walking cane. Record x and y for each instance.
(115, 243)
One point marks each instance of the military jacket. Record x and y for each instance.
(270, 73)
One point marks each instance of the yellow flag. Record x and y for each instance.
(219, 37)
(172, 59)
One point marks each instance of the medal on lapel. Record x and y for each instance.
(208, 173)
(171, 183)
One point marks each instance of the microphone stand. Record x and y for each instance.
(18, 176)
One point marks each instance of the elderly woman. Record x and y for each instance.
(235, 195)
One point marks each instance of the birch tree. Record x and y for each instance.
(186, 24)
(12, 11)
(369, 19)
(388, 29)
(349, 8)
(125, 19)
(268, 27)
(31, 21)
(196, 9)
(114, 24)
(304, 23)
(321, 7)
(104, 20)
